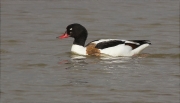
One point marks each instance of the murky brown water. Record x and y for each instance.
(36, 67)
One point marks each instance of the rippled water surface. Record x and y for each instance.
(37, 67)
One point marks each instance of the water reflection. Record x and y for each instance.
(77, 57)
(107, 62)
(104, 57)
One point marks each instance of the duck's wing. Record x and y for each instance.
(117, 47)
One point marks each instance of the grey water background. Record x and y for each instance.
(38, 68)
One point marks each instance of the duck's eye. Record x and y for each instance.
(70, 31)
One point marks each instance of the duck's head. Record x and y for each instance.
(76, 31)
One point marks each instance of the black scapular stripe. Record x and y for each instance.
(92, 41)
(107, 44)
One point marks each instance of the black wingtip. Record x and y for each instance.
(142, 41)
(148, 42)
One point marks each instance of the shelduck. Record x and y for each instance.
(110, 47)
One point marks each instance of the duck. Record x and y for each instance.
(100, 47)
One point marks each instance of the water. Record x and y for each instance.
(36, 67)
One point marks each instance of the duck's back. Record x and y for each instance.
(117, 47)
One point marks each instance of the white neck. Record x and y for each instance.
(77, 49)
